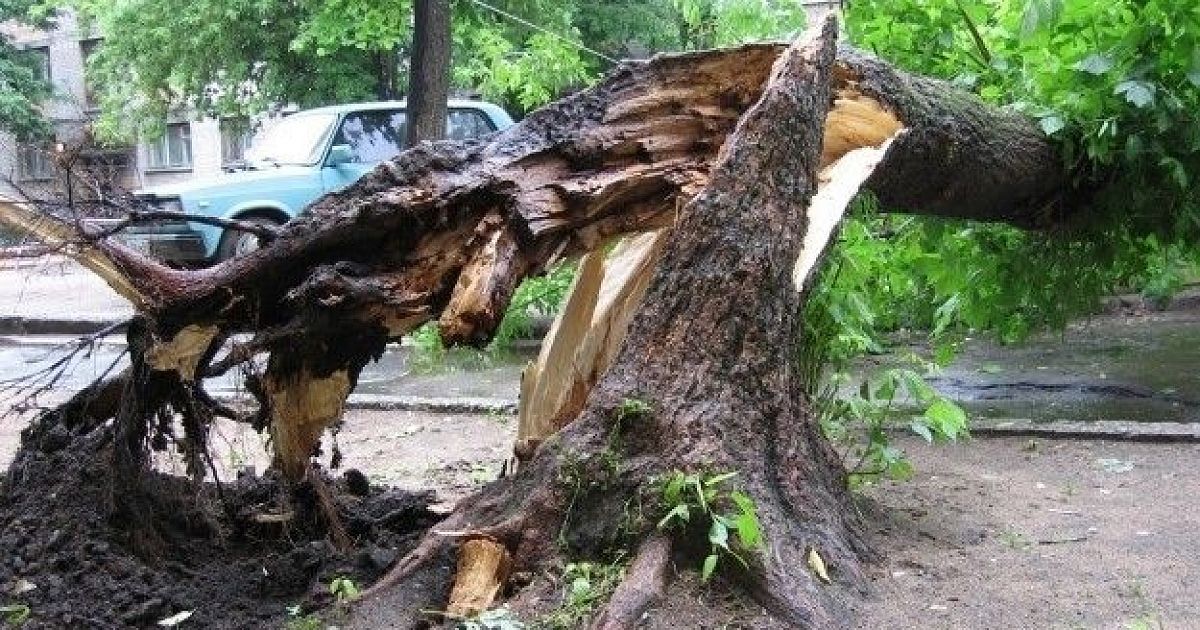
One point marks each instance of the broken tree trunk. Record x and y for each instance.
(750, 156)
(709, 365)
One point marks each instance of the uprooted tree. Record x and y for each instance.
(741, 161)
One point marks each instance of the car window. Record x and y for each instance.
(466, 123)
(374, 136)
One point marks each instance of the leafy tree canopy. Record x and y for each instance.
(21, 90)
(232, 57)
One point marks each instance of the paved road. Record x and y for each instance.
(55, 288)
(1115, 367)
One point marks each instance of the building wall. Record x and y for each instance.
(70, 114)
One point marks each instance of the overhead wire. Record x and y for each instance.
(527, 23)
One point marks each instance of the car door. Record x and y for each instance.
(372, 137)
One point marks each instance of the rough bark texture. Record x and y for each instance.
(712, 353)
(723, 145)
(429, 74)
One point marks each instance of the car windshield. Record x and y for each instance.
(293, 140)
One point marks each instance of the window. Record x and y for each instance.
(462, 124)
(298, 139)
(173, 150)
(375, 136)
(41, 63)
(88, 48)
(235, 139)
(34, 163)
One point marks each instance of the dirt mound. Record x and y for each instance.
(236, 556)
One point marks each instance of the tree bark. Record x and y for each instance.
(750, 155)
(429, 74)
(710, 354)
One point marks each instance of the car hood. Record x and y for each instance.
(204, 185)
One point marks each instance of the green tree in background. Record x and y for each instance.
(21, 89)
(233, 57)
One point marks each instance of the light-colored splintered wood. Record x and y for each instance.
(483, 568)
(855, 121)
(585, 337)
(301, 407)
(837, 185)
(182, 353)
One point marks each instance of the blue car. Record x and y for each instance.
(295, 161)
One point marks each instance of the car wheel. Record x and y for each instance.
(235, 243)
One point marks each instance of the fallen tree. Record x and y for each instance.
(748, 156)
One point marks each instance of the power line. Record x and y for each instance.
(527, 23)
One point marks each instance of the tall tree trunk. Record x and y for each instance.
(429, 76)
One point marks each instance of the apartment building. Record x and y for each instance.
(188, 148)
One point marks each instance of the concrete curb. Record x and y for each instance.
(1160, 432)
(364, 402)
(1123, 431)
(50, 326)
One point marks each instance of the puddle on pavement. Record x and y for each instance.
(1138, 369)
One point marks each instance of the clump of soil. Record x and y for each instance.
(230, 554)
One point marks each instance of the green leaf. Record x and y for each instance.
(1095, 63)
(678, 512)
(673, 489)
(716, 479)
(1040, 14)
(710, 565)
(1052, 124)
(921, 429)
(718, 534)
(946, 418)
(1139, 93)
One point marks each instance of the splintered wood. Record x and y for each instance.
(483, 568)
(301, 407)
(608, 290)
(585, 336)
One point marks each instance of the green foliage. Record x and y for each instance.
(633, 408)
(214, 57)
(699, 502)
(586, 586)
(21, 91)
(344, 589)
(1115, 83)
(15, 614)
(708, 23)
(859, 423)
(536, 297)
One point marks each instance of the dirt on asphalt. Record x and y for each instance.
(993, 533)
(1018, 533)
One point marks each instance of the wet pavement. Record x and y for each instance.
(1143, 368)
(1123, 368)
(1139, 368)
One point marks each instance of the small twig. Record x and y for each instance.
(1056, 541)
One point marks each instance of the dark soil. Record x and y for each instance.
(197, 547)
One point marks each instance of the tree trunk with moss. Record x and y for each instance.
(750, 155)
